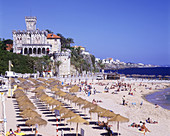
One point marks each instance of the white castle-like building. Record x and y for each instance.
(38, 43)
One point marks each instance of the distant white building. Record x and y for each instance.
(85, 53)
(97, 60)
(140, 64)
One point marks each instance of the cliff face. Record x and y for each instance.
(86, 64)
(88, 60)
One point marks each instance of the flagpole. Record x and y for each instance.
(9, 87)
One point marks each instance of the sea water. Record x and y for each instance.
(143, 71)
(162, 98)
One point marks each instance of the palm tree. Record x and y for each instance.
(69, 41)
(78, 50)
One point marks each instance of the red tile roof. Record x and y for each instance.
(9, 47)
(53, 36)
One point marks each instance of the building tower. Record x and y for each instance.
(31, 23)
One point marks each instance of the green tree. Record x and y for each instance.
(49, 31)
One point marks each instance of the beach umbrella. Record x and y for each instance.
(60, 87)
(74, 89)
(107, 113)
(26, 103)
(25, 111)
(78, 99)
(42, 96)
(69, 114)
(48, 81)
(41, 88)
(41, 79)
(55, 89)
(67, 96)
(47, 99)
(72, 97)
(118, 118)
(22, 99)
(30, 114)
(78, 120)
(23, 107)
(55, 102)
(21, 79)
(57, 108)
(97, 110)
(19, 94)
(40, 91)
(36, 120)
(89, 105)
(62, 94)
(64, 110)
(83, 102)
(51, 79)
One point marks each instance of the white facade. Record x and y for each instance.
(56, 44)
(32, 41)
(38, 43)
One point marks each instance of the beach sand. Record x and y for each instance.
(135, 113)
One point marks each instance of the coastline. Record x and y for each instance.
(110, 101)
(154, 91)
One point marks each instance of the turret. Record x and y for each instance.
(31, 23)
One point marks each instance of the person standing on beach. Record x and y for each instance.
(94, 91)
(123, 98)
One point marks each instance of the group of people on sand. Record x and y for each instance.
(96, 101)
(106, 126)
(142, 125)
(13, 133)
(87, 89)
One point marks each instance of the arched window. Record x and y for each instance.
(34, 51)
(25, 51)
(43, 50)
(30, 50)
(39, 50)
(48, 50)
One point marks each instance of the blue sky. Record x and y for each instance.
(128, 30)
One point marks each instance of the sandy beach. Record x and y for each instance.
(111, 100)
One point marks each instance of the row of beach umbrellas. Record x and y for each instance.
(27, 109)
(55, 87)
